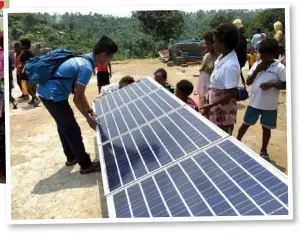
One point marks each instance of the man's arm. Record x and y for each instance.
(80, 100)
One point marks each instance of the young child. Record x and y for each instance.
(207, 67)
(184, 88)
(108, 89)
(252, 57)
(268, 78)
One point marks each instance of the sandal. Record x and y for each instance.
(264, 155)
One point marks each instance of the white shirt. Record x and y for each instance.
(108, 89)
(266, 100)
(226, 72)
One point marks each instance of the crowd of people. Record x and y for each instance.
(217, 89)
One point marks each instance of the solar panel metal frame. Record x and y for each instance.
(224, 137)
(276, 172)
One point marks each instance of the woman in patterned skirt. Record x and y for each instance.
(222, 107)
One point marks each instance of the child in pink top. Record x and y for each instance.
(207, 67)
(184, 88)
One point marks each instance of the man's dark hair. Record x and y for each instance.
(105, 45)
(26, 43)
(228, 34)
(185, 86)
(163, 73)
(269, 46)
(1, 42)
(209, 36)
(259, 30)
(126, 80)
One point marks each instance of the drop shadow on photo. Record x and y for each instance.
(282, 169)
(64, 178)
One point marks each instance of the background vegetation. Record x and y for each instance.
(139, 36)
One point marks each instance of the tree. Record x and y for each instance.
(265, 20)
(161, 25)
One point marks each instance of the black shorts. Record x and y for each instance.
(103, 78)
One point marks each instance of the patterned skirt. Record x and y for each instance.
(222, 114)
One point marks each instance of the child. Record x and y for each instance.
(125, 81)
(268, 78)
(207, 67)
(252, 57)
(103, 76)
(184, 88)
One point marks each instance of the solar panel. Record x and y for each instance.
(208, 183)
(161, 158)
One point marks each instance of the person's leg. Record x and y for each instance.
(251, 117)
(242, 130)
(268, 122)
(20, 85)
(66, 122)
(30, 92)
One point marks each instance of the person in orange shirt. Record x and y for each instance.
(252, 57)
(103, 75)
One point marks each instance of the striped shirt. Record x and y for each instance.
(79, 68)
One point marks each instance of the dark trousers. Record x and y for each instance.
(69, 131)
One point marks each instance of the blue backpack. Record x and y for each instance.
(41, 69)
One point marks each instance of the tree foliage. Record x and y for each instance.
(139, 36)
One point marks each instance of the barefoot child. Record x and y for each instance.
(268, 78)
(207, 67)
(184, 88)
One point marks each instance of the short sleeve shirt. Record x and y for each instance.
(226, 72)
(78, 68)
(268, 99)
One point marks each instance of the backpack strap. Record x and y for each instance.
(242, 79)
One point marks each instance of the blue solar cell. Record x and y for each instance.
(111, 125)
(124, 96)
(166, 139)
(104, 104)
(149, 83)
(209, 133)
(284, 198)
(156, 111)
(142, 86)
(174, 202)
(138, 205)
(282, 211)
(134, 157)
(156, 205)
(145, 150)
(121, 205)
(160, 102)
(122, 161)
(136, 114)
(160, 152)
(128, 118)
(135, 88)
(130, 92)
(179, 136)
(144, 110)
(189, 194)
(111, 102)
(168, 98)
(103, 130)
(98, 108)
(271, 206)
(191, 132)
(111, 168)
(253, 212)
(117, 98)
(121, 125)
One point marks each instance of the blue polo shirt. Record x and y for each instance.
(79, 68)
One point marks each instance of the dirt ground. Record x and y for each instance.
(42, 187)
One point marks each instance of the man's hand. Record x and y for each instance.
(267, 85)
(205, 110)
(92, 123)
(263, 66)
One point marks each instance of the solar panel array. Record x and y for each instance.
(160, 158)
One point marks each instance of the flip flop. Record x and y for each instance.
(264, 155)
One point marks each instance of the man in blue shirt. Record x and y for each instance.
(54, 95)
(256, 38)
